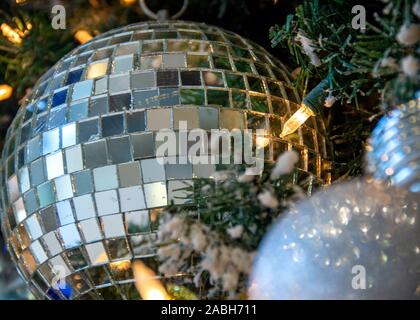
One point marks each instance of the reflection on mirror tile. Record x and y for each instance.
(173, 46)
(174, 60)
(24, 179)
(37, 172)
(29, 261)
(52, 244)
(213, 79)
(78, 111)
(96, 252)
(119, 149)
(33, 149)
(68, 135)
(145, 98)
(177, 193)
(49, 219)
(123, 64)
(143, 80)
(187, 115)
(198, 61)
(13, 188)
(142, 35)
(50, 141)
(112, 125)
(231, 119)
(74, 159)
(84, 207)
(57, 117)
(101, 85)
(259, 103)
(151, 62)
(137, 221)
(119, 102)
(155, 46)
(107, 202)
(118, 83)
(70, 236)
(88, 130)
(143, 145)
(192, 96)
(98, 275)
(38, 252)
(127, 48)
(31, 203)
(98, 105)
(97, 69)
(239, 99)
(19, 209)
(76, 259)
(33, 227)
(218, 97)
(190, 78)
(23, 233)
(105, 178)
(63, 187)
(168, 97)
(158, 119)
(129, 174)
(45, 193)
(167, 78)
(113, 226)
(82, 90)
(58, 262)
(178, 171)
(131, 198)
(95, 154)
(135, 121)
(90, 230)
(204, 170)
(54, 165)
(82, 182)
(118, 248)
(74, 76)
(64, 212)
(59, 98)
(152, 170)
(155, 194)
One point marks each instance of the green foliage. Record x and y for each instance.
(365, 66)
(231, 202)
(22, 65)
(356, 56)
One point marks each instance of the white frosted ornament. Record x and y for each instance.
(356, 240)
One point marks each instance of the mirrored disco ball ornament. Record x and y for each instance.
(356, 240)
(82, 188)
(394, 151)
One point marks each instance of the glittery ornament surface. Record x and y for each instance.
(356, 240)
(394, 152)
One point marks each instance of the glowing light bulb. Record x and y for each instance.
(10, 34)
(149, 287)
(262, 141)
(127, 2)
(297, 120)
(5, 91)
(82, 36)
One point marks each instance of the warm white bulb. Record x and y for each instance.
(297, 120)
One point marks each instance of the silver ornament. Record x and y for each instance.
(82, 188)
(356, 240)
(394, 151)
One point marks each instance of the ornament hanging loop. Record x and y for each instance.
(162, 14)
